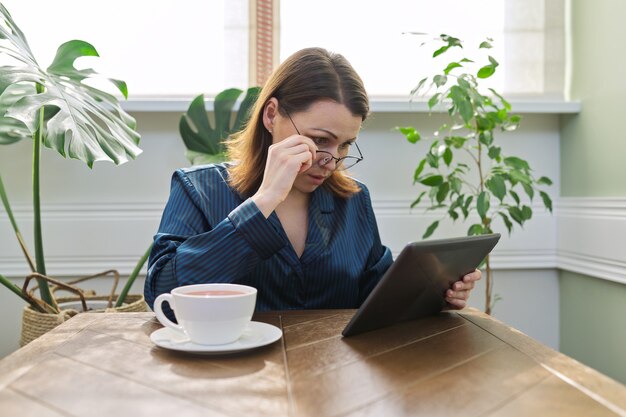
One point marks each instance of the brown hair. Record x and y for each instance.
(305, 77)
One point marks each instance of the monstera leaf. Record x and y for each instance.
(83, 122)
(204, 143)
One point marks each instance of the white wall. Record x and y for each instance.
(105, 218)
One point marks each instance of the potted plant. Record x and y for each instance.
(57, 109)
(205, 143)
(488, 189)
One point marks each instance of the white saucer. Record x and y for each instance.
(255, 335)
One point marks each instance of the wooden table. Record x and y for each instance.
(457, 364)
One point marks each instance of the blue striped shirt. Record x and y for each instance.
(208, 233)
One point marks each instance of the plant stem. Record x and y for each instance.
(44, 289)
(18, 234)
(488, 285)
(132, 277)
(17, 290)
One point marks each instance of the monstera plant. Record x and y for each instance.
(205, 143)
(56, 108)
(465, 173)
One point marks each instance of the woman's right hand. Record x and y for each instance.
(285, 160)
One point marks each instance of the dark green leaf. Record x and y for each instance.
(432, 180)
(475, 229)
(447, 156)
(431, 229)
(418, 199)
(544, 180)
(547, 201)
(195, 129)
(516, 214)
(494, 152)
(444, 188)
(418, 170)
(530, 191)
(245, 108)
(507, 222)
(482, 204)
(527, 213)
(452, 213)
(486, 138)
(496, 185)
(515, 196)
(493, 61)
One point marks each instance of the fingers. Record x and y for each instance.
(459, 293)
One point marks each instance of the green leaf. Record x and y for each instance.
(433, 100)
(544, 180)
(515, 196)
(440, 80)
(12, 130)
(486, 138)
(485, 44)
(195, 127)
(516, 214)
(496, 185)
(410, 133)
(530, 191)
(518, 176)
(453, 214)
(432, 159)
(418, 170)
(527, 213)
(482, 204)
(89, 124)
(442, 193)
(505, 103)
(517, 163)
(507, 222)
(451, 66)
(431, 229)
(547, 201)
(455, 184)
(475, 229)
(419, 86)
(447, 156)
(494, 152)
(486, 71)
(432, 180)
(418, 199)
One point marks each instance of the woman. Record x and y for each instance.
(284, 217)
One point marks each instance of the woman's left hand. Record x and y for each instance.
(459, 292)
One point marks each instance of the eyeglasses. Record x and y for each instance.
(323, 158)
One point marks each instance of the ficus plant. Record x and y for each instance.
(58, 109)
(465, 175)
(205, 143)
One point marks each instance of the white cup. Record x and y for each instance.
(209, 314)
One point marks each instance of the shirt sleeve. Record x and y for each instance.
(187, 249)
(379, 258)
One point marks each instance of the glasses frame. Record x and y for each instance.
(338, 161)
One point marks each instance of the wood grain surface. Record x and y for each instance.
(452, 364)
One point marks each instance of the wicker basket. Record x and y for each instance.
(34, 323)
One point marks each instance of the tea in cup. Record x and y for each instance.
(209, 314)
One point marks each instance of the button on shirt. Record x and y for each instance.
(210, 234)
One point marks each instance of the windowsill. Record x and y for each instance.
(378, 105)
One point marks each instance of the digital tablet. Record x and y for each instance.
(415, 284)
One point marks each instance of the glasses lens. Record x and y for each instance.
(347, 162)
(323, 158)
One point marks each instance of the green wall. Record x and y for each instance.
(593, 146)
(592, 323)
(593, 164)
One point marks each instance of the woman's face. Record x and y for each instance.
(331, 126)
